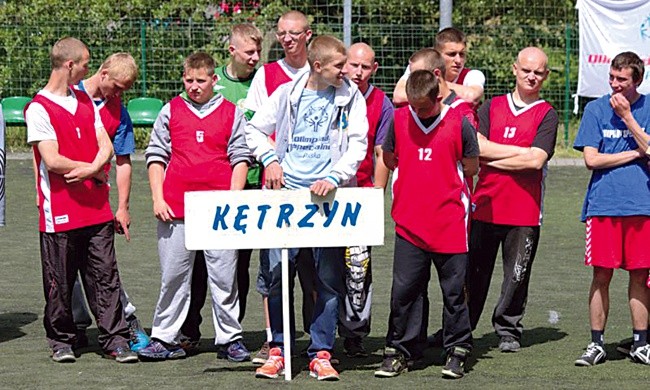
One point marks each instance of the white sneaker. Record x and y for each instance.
(593, 355)
(641, 354)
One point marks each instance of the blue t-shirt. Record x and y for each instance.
(624, 190)
(124, 140)
(308, 156)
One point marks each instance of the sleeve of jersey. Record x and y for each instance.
(160, 144)
(389, 141)
(474, 77)
(357, 132)
(256, 93)
(589, 133)
(547, 133)
(259, 128)
(470, 141)
(385, 121)
(39, 127)
(238, 150)
(484, 119)
(124, 140)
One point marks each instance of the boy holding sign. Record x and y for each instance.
(321, 139)
(436, 148)
(203, 132)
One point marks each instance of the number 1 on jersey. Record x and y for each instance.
(425, 154)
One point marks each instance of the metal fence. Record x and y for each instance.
(496, 31)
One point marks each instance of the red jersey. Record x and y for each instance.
(110, 110)
(199, 152)
(461, 76)
(64, 206)
(274, 76)
(430, 202)
(374, 104)
(511, 197)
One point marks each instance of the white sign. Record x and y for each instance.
(255, 219)
(607, 28)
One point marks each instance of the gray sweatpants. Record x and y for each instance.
(176, 264)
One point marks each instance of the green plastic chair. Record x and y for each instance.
(144, 111)
(12, 109)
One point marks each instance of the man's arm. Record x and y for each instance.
(388, 148)
(381, 170)
(161, 209)
(103, 156)
(239, 154)
(494, 151)
(399, 93)
(385, 122)
(123, 169)
(534, 159)
(622, 108)
(597, 160)
(472, 88)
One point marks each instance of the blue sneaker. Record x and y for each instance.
(139, 338)
(235, 352)
(158, 350)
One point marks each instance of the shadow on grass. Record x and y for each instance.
(534, 336)
(10, 324)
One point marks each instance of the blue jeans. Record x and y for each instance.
(330, 290)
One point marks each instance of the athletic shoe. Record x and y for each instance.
(159, 350)
(353, 347)
(273, 367)
(191, 347)
(641, 354)
(64, 355)
(321, 368)
(235, 352)
(435, 340)
(139, 338)
(509, 344)
(593, 355)
(262, 355)
(455, 366)
(122, 355)
(625, 347)
(394, 364)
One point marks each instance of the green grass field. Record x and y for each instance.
(559, 284)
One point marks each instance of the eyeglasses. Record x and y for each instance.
(292, 34)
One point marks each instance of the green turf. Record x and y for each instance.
(559, 283)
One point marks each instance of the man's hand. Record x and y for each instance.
(273, 176)
(162, 211)
(620, 105)
(81, 173)
(321, 187)
(122, 222)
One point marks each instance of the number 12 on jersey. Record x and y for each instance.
(424, 154)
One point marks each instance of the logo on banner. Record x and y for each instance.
(645, 28)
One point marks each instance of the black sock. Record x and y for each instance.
(598, 337)
(640, 338)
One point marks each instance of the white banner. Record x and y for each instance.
(607, 28)
(255, 219)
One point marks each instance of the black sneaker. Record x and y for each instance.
(394, 364)
(455, 366)
(64, 355)
(435, 340)
(353, 347)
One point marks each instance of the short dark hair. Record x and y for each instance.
(431, 57)
(449, 34)
(322, 49)
(422, 83)
(631, 60)
(199, 60)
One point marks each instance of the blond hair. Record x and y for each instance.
(322, 49)
(121, 66)
(245, 32)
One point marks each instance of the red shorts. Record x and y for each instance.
(618, 242)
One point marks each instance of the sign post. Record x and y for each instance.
(262, 219)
